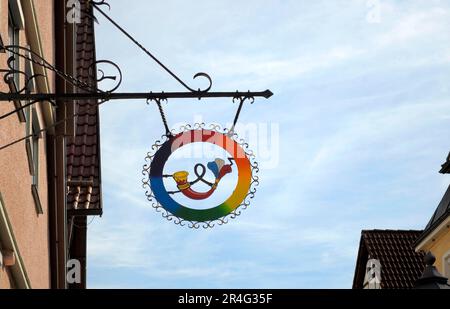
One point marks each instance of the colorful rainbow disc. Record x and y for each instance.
(241, 191)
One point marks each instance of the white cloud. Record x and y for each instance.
(361, 135)
(417, 25)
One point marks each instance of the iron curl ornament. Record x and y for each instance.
(96, 74)
(240, 160)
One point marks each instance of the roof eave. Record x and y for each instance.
(445, 168)
(357, 275)
(435, 227)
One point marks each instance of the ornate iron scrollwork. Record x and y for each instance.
(91, 91)
(97, 4)
(101, 76)
(11, 71)
(100, 3)
(29, 55)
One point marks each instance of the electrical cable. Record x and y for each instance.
(53, 125)
(87, 224)
(22, 108)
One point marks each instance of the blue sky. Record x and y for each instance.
(359, 128)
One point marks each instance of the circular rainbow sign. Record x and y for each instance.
(237, 155)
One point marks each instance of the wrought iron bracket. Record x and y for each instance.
(90, 91)
(131, 95)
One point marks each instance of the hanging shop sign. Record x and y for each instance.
(238, 161)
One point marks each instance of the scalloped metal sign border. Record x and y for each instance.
(196, 224)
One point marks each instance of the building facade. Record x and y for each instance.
(436, 236)
(393, 259)
(50, 181)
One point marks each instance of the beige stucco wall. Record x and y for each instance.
(439, 248)
(45, 18)
(5, 279)
(438, 242)
(29, 228)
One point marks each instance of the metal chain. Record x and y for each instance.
(163, 115)
(238, 112)
(236, 117)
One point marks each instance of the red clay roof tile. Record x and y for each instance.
(401, 266)
(83, 151)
